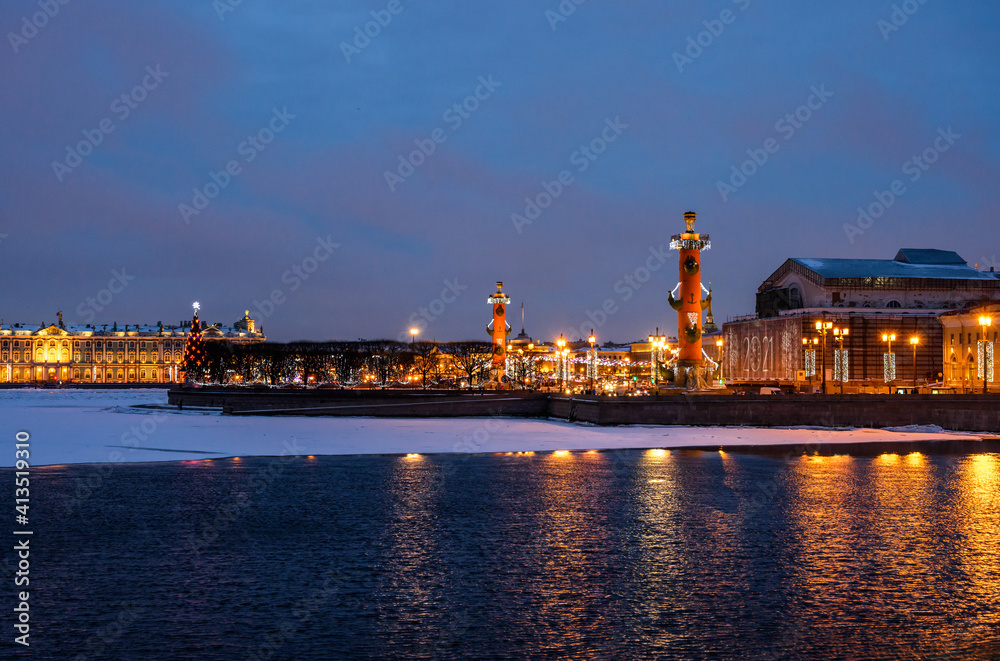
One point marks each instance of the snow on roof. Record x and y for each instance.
(891, 268)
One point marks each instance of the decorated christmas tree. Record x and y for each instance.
(195, 362)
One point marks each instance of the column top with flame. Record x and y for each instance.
(499, 297)
(690, 240)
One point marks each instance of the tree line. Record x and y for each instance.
(378, 363)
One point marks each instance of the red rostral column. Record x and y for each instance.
(689, 305)
(499, 330)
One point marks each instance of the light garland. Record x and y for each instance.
(889, 366)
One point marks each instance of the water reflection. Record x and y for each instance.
(637, 554)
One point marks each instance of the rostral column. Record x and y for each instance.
(689, 304)
(499, 330)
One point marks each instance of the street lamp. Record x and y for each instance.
(718, 343)
(984, 323)
(839, 334)
(914, 342)
(822, 327)
(593, 358)
(806, 344)
(889, 363)
(560, 368)
(565, 363)
(413, 335)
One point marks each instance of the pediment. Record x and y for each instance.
(52, 329)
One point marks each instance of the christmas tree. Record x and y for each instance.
(195, 362)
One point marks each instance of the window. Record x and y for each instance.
(894, 304)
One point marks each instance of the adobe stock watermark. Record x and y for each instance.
(562, 12)
(714, 28)
(426, 314)
(625, 288)
(581, 159)
(454, 117)
(249, 149)
(223, 7)
(121, 107)
(297, 274)
(913, 168)
(363, 35)
(787, 127)
(899, 17)
(31, 25)
(88, 309)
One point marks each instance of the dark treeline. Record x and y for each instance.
(378, 363)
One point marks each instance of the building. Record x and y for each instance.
(57, 353)
(890, 309)
(964, 353)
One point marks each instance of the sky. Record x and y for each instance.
(353, 169)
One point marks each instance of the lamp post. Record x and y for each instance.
(839, 334)
(718, 343)
(565, 362)
(914, 342)
(806, 344)
(888, 375)
(560, 368)
(413, 335)
(822, 327)
(984, 323)
(593, 359)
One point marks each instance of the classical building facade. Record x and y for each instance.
(57, 353)
(892, 310)
(970, 348)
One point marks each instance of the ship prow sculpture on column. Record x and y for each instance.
(692, 366)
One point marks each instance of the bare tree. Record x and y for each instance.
(347, 361)
(425, 359)
(471, 359)
(384, 358)
(523, 370)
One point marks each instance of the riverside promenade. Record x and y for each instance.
(974, 413)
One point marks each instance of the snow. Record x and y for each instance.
(108, 426)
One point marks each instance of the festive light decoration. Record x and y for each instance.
(810, 362)
(889, 367)
(984, 355)
(195, 360)
(841, 360)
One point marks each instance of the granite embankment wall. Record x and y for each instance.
(378, 403)
(965, 412)
(979, 413)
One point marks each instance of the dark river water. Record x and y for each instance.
(617, 555)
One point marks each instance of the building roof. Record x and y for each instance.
(893, 268)
(929, 256)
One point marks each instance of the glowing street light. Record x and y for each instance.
(839, 334)
(914, 342)
(593, 358)
(560, 366)
(718, 343)
(889, 362)
(413, 334)
(807, 346)
(822, 327)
